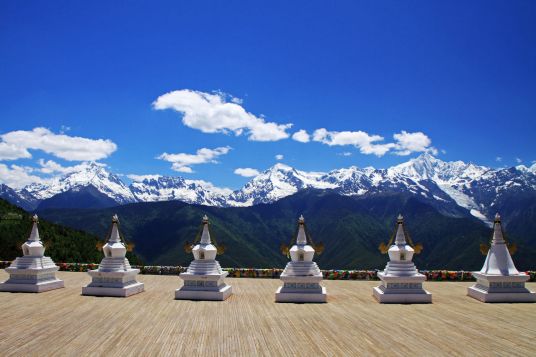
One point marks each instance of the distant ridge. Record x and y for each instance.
(351, 228)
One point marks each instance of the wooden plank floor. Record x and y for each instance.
(65, 323)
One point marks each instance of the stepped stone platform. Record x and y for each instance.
(65, 323)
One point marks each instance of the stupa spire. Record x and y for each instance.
(205, 236)
(114, 236)
(302, 238)
(497, 231)
(34, 235)
(400, 235)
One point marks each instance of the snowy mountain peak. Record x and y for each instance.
(280, 167)
(86, 174)
(277, 182)
(428, 167)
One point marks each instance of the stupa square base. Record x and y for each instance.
(187, 293)
(284, 295)
(113, 283)
(486, 296)
(124, 291)
(32, 288)
(389, 297)
(501, 288)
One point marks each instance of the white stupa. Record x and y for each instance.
(301, 277)
(204, 279)
(499, 280)
(114, 277)
(32, 273)
(401, 281)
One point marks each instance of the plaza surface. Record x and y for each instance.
(64, 323)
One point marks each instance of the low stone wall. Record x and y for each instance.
(431, 275)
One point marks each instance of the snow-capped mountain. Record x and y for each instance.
(275, 183)
(89, 174)
(450, 186)
(166, 188)
(21, 198)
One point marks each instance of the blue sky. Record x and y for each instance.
(458, 78)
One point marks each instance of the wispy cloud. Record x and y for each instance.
(405, 143)
(16, 176)
(182, 162)
(408, 143)
(367, 144)
(279, 157)
(212, 113)
(52, 167)
(302, 136)
(246, 172)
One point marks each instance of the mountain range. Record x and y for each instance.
(454, 188)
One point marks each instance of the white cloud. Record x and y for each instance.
(237, 100)
(279, 157)
(210, 187)
(181, 162)
(346, 153)
(212, 113)
(407, 143)
(140, 178)
(498, 159)
(518, 160)
(15, 145)
(16, 176)
(302, 136)
(13, 152)
(52, 167)
(246, 172)
(361, 140)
